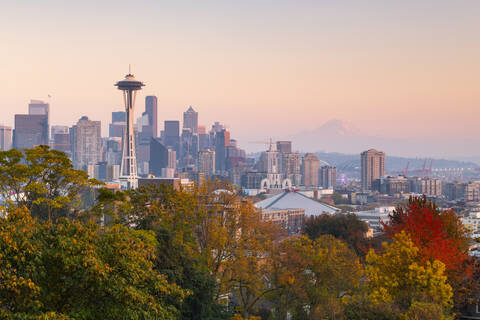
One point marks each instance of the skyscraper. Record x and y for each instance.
(171, 134)
(284, 146)
(128, 169)
(328, 177)
(112, 150)
(5, 138)
(190, 120)
(188, 147)
(118, 125)
(161, 158)
(86, 143)
(206, 163)
(203, 138)
(39, 107)
(151, 108)
(30, 130)
(222, 140)
(144, 134)
(119, 116)
(310, 168)
(291, 165)
(373, 167)
(61, 139)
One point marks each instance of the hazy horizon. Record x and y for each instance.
(406, 70)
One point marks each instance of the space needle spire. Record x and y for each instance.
(128, 170)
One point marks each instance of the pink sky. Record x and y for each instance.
(266, 70)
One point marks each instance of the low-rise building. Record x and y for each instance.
(295, 200)
(291, 220)
(472, 222)
(375, 217)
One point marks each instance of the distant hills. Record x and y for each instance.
(347, 162)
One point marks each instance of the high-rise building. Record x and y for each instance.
(222, 140)
(188, 148)
(30, 130)
(203, 138)
(86, 143)
(427, 186)
(39, 107)
(147, 123)
(206, 163)
(161, 157)
(118, 125)
(61, 139)
(151, 108)
(171, 134)
(5, 138)
(328, 177)
(128, 169)
(284, 146)
(112, 149)
(290, 165)
(190, 120)
(310, 169)
(116, 129)
(234, 154)
(119, 116)
(144, 134)
(372, 167)
(216, 127)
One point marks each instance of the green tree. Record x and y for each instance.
(346, 227)
(175, 217)
(80, 270)
(220, 232)
(176, 261)
(339, 199)
(43, 180)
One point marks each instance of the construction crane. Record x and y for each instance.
(270, 143)
(424, 166)
(430, 168)
(405, 171)
(424, 171)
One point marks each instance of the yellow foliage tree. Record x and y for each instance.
(312, 276)
(235, 243)
(398, 276)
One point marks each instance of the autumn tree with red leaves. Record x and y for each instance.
(440, 235)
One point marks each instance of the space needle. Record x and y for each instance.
(128, 170)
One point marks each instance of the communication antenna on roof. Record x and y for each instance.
(129, 68)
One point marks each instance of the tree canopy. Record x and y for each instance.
(346, 227)
(81, 271)
(43, 180)
(438, 235)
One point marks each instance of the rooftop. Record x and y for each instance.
(295, 200)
